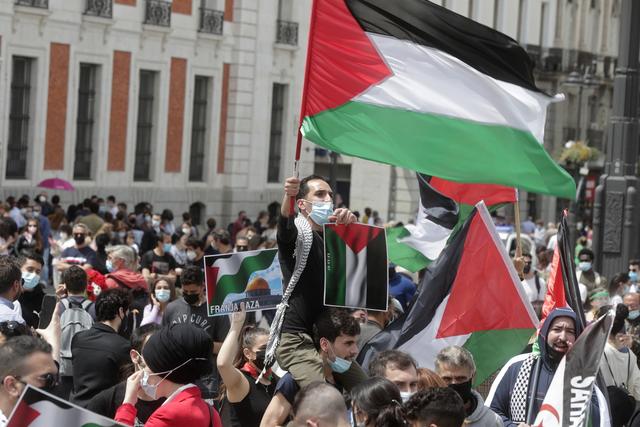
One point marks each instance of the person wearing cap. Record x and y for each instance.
(174, 358)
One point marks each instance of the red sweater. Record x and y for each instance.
(185, 409)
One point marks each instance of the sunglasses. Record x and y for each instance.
(50, 380)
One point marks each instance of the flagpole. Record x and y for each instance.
(518, 228)
(303, 104)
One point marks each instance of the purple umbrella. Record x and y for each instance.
(56, 184)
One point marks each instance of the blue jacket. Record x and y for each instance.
(499, 399)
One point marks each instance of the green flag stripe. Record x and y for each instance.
(237, 283)
(428, 143)
(492, 349)
(335, 270)
(402, 254)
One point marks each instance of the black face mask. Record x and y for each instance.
(259, 361)
(191, 299)
(463, 390)
(527, 268)
(79, 238)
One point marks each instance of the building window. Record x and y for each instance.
(275, 140)
(497, 13)
(158, 12)
(85, 121)
(199, 128)
(522, 24)
(42, 4)
(197, 213)
(101, 8)
(543, 23)
(144, 136)
(18, 145)
(286, 31)
(211, 18)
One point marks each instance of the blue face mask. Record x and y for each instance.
(167, 247)
(339, 365)
(584, 266)
(633, 276)
(163, 295)
(31, 280)
(109, 266)
(320, 212)
(633, 314)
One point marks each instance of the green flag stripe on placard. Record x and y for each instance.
(335, 270)
(236, 283)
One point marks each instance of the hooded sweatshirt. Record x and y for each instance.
(126, 278)
(499, 399)
(482, 416)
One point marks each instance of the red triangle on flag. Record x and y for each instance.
(483, 295)
(357, 67)
(470, 194)
(356, 236)
(23, 415)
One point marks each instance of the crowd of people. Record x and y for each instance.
(106, 308)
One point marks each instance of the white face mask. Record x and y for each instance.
(152, 389)
(406, 395)
(191, 255)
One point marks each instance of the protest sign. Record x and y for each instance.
(253, 278)
(37, 408)
(356, 273)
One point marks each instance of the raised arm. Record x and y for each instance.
(237, 384)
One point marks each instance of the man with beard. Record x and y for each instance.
(512, 389)
(456, 367)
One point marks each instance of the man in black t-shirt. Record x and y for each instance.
(192, 308)
(297, 352)
(158, 262)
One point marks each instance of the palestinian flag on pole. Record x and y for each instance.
(412, 84)
(443, 205)
(568, 397)
(562, 286)
(355, 266)
(471, 297)
(37, 408)
(230, 273)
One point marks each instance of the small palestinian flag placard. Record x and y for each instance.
(356, 272)
(37, 408)
(253, 278)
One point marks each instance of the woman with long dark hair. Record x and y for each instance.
(240, 361)
(376, 402)
(30, 240)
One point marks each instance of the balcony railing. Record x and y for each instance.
(158, 13)
(287, 33)
(101, 8)
(211, 21)
(42, 4)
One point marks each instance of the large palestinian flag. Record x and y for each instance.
(411, 84)
(37, 408)
(355, 266)
(471, 297)
(443, 205)
(569, 395)
(251, 276)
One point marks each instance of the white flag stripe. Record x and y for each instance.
(356, 273)
(424, 346)
(231, 265)
(448, 86)
(428, 238)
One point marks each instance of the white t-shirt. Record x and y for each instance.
(10, 311)
(532, 291)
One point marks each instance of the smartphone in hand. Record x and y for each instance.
(46, 312)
